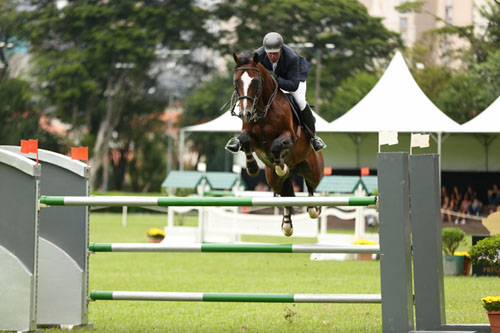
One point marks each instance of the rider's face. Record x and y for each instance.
(274, 56)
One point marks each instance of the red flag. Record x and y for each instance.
(365, 171)
(327, 171)
(81, 153)
(29, 146)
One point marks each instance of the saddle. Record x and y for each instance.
(295, 109)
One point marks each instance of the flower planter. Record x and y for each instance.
(467, 266)
(365, 256)
(154, 240)
(453, 265)
(494, 317)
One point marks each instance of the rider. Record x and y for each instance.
(291, 71)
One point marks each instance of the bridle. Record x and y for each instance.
(236, 98)
(257, 95)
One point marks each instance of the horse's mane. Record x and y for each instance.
(244, 58)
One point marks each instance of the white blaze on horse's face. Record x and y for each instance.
(246, 80)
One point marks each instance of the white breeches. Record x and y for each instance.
(300, 95)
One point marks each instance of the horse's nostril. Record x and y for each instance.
(249, 114)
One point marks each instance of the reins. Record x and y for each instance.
(259, 112)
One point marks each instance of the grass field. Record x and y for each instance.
(260, 273)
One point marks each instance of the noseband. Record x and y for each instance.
(236, 98)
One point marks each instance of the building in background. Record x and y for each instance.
(412, 26)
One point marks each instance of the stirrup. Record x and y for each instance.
(317, 144)
(233, 145)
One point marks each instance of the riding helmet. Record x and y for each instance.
(273, 42)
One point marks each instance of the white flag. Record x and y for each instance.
(419, 140)
(387, 138)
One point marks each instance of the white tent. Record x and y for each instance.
(228, 123)
(223, 123)
(486, 122)
(232, 124)
(485, 130)
(395, 103)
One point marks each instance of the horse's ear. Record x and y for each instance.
(255, 58)
(235, 57)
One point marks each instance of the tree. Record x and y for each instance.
(95, 56)
(481, 44)
(472, 91)
(358, 39)
(431, 75)
(10, 28)
(462, 93)
(20, 117)
(205, 104)
(16, 112)
(350, 92)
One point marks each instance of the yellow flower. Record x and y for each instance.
(462, 254)
(491, 303)
(364, 242)
(156, 232)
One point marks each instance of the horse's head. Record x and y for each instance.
(247, 83)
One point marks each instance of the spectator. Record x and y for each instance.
(493, 196)
(446, 207)
(444, 192)
(475, 207)
(471, 192)
(463, 209)
(457, 198)
(261, 186)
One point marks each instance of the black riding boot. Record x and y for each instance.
(233, 145)
(309, 120)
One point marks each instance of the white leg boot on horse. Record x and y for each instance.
(281, 170)
(314, 211)
(286, 224)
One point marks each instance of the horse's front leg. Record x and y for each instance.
(279, 147)
(246, 144)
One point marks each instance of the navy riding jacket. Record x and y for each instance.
(291, 68)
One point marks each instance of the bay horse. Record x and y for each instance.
(270, 130)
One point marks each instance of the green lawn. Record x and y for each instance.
(260, 273)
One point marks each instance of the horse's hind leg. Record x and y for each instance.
(314, 211)
(286, 224)
(252, 166)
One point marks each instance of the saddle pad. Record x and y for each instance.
(294, 107)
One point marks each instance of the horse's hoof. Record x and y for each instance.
(314, 212)
(253, 174)
(281, 172)
(287, 229)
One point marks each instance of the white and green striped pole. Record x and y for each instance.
(205, 201)
(224, 247)
(233, 297)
